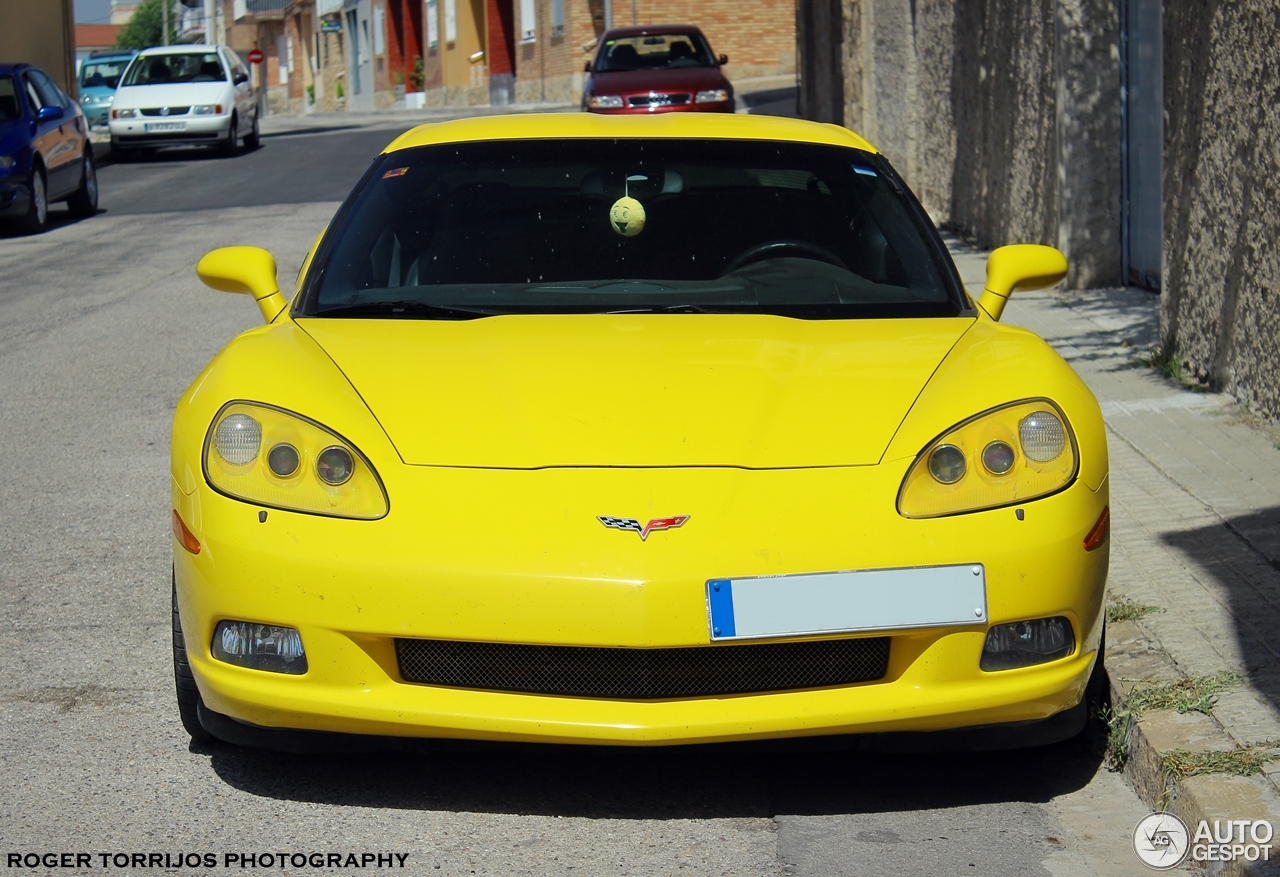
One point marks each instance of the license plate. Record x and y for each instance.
(847, 602)
(164, 126)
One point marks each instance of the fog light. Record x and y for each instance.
(1024, 643)
(259, 647)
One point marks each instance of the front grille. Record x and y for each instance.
(642, 674)
(658, 100)
(159, 111)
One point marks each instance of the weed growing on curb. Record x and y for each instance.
(1062, 302)
(1244, 762)
(1189, 695)
(1166, 358)
(1124, 609)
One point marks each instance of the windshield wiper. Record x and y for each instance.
(417, 309)
(667, 309)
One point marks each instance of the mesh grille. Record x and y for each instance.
(173, 111)
(642, 674)
(658, 100)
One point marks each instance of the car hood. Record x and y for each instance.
(690, 79)
(638, 390)
(176, 94)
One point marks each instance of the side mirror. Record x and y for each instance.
(46, 114)
(1019, 266)
(239, 78)
(249, 270)
(724, 59)
(586, 68)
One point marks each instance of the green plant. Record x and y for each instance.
(1062, 302)
(1242, 762)
(311, 93)
(1166, 358)
(397, 78)
(418, 77)
(1187, 695)
(338, 92)
(1121, 608)
(145, 29)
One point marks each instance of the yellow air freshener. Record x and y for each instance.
(627, 216)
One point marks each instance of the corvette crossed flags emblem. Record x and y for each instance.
(634, 526)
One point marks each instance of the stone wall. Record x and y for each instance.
(1221, 298)
(1002, 115)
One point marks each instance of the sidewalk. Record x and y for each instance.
(1195, 563)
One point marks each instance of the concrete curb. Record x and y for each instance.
(1131, 656)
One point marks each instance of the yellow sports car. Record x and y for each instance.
(603, 430)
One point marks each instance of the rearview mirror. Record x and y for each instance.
(1019, 266)
(249, 270)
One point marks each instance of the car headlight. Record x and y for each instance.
(6, 162)
(711, 96)
(124, 114)
(207, 110)
(1011, 454)
(605, 102)
(272, 457)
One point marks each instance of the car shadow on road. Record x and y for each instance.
(1240, 559)
(714, 781)
(59, 217)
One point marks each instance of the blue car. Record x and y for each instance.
(45, 154)
(99, 76)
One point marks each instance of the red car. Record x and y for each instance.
(656, 69)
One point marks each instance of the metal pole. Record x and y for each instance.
(633, 13)
(210, 36)
(164, 22)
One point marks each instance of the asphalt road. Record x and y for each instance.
(102, 325)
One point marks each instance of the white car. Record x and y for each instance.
(184, 96)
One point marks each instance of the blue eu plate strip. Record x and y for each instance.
(720, 599)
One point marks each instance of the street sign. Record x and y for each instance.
(330, 26)
(255, 56)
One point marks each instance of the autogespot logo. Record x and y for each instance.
(1163, 841)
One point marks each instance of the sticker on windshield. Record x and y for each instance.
(395, 172)
(864, 170)
(627, 216)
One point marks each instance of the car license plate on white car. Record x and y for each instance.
(847, 602)
(164, 126)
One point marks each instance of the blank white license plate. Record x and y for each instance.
(847, 602)
(164, 126)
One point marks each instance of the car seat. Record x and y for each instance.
(624, 57)
(211, 70)
(159, 72)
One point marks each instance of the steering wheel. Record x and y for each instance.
(779, 249)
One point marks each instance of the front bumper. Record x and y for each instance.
(518, 557)
(196, 130)
(15, 197)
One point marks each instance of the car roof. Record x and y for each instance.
(185, 49)
(13, 67)
(642, 30)
(552, 126)
(108, 54)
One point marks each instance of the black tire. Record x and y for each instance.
(84, 201)
(36, 219)
(188, 694)
(253, 139)
(233, 134)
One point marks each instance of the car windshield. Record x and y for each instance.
(104, 73)
(588, 226)
(654, 51)
(177, 67)
(10, 109)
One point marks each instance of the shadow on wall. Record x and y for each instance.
(1243, 558)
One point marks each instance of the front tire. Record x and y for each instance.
(188, 694)
(233, 134)
(36, 218)
(84, 202)
(253, 139)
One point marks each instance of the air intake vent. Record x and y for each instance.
(643, 674)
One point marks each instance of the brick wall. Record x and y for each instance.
(759, 37)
